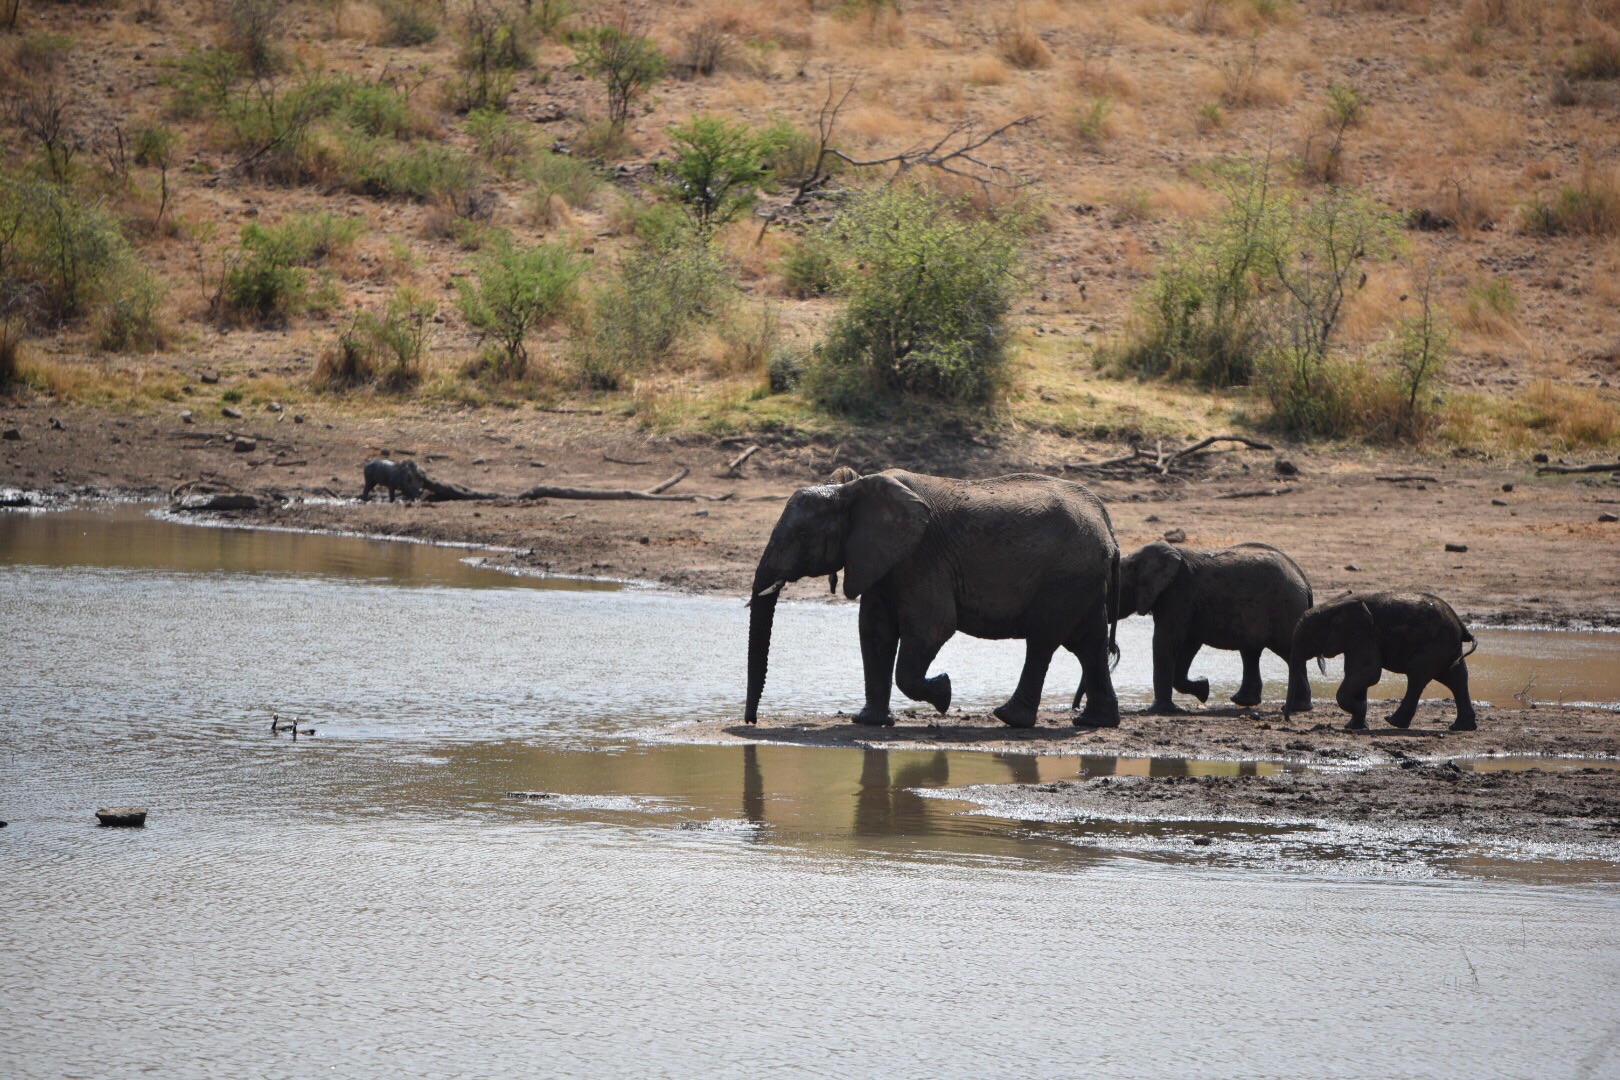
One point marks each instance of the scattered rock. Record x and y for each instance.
(274, 406)
(187, 418)
(1499, 502)
(209, 377)
(1540, 459)
(124, 817)
(11, 434)
(1507, 487)
(298, 418)
(1353, 568)
(56, 425)
(245, 445)
(1151, 518)
(1456, 547)
(1285, 467)
(234, 414)
(1202, 841)
(700, 513)
(531, 795)
(220, 501)
(1607, 517)
(1177, 535)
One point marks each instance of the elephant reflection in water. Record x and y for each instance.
(885, 806)
(753, 788)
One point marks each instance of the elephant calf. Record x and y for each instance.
(406, 476)
(1413, 634)
(1246, 597)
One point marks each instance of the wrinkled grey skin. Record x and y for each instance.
(1024, 556)
(1413, 634)
(1247, 597)
(403, 476)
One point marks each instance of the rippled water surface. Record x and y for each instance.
(370, 900)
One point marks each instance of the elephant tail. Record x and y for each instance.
(1473, 643)
(1113, 612)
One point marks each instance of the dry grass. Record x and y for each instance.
(1245, 79)
(1023, 48)
(986, 71)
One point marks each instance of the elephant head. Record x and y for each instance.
(1325, 631)
(1144, 574)
(413, 478)
(863, 527)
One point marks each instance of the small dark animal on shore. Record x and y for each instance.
(405, 476)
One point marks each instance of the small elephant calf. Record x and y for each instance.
(406, 476)
(1414, 634)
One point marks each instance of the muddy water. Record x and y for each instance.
(370, 899)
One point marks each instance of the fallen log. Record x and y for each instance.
(623, 461)
(1159, 460)
(1256, 493)
(1405, 479)
(550, 491)
(733, 466)
(441, 491)
(1566, 469)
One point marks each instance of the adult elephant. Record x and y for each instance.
(1022, 556)
(1246, 597)
(1411, 633)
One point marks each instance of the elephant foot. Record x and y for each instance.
(873, 718)
(1200, 690)
(1464, 723)
(1099, 716)
(1400, 718)
(1246, 699)
(1163, 708)
(1357, 723)
(939, 692)
(1294, 707)
(1015, 715)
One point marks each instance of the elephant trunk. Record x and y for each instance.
(761, 616)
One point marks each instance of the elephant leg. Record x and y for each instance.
(1402, 716)
(1361, 671)
(917, 652)
(1198, 688)
(1455, 679)
(880, 637)
(1021, 709)
(1165, 662)
(1299, 683)
(365, 493)
(1248, 694)
(391, 491)
(1102, 705)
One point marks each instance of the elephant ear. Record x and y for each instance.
(1160, 566)
(886, 521)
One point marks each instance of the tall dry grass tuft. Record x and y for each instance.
(1020, 45)
(1590, 206)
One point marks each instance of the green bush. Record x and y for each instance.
(493, 47)
(927, 290)
(624, 60)
(58, 254)
(129, 318)
(659, 294)
(270, 282)
(252, 30)
(425, 172)
(503, 142)
(718, 168)
(385, 349)
(203, 82)
(575, 179)
(518, 290)
(410, 22)
(809, 267)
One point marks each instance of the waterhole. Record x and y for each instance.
(478, 866)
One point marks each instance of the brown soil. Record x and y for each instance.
(1543, 558)
(1387, 779)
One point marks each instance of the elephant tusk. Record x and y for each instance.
(768, 591)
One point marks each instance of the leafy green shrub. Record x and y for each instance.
(58, 254)
(623, 59)
(270, 281)
(493, 47)
(252, 29)
(1492, 302)
(718, 168)
(386, 349)
(1599, 57)
(129, 318)
(203, 82)
(410, 22)
(809, 267)
(575, 179)
(927, 292)
(794, 154)
(518, 290)
(1091, 123)
(659, 294)
(785, 369)
(501, 140)
(425, 172)
(1591, 206)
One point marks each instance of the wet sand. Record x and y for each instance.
(1472, 786)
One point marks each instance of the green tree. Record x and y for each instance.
(518, 290)
(717, 171)
(927, 290)
(623, 59)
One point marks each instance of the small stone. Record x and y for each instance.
(187, 418)
(700, 513)
(1285, 467)
(56, 425)
(643, 539)
(298, 418)
(245, 445)
(1507, 487)
(11, 434)
(1151, 518)
(126, 817)
(1499, 502)
(1353, 568)
(234, 414)
(209, 377)
(1606, 517)
(1202, 841)
(274, 406)
(1177, 535)
(1540, 459)
(479, 460)
(1457, 547)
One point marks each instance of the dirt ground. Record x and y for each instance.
(1537, 555)
(1385, 778)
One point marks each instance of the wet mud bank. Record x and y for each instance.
(1542, 777)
